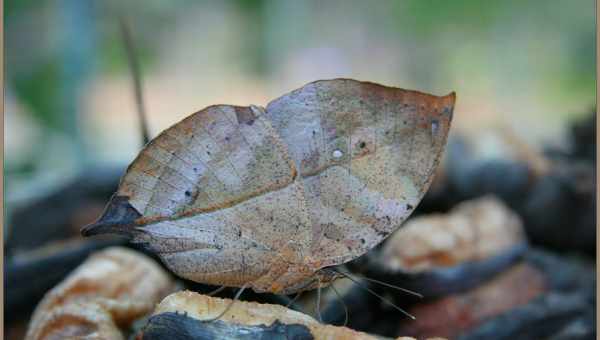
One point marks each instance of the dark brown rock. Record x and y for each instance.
(455, 314)
(180, 326)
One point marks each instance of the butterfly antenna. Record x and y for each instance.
(349, 277)
(343, 304)
(235, 298)
(216, 291)
(134, 66)
(408, 291)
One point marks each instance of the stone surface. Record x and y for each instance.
(444, 253)
(109, 290)
(242, 318)
(455, 314)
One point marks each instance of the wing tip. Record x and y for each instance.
(118, 215)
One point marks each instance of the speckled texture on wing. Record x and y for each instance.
(210, 160)
(235, 245)
(242, 195)
(217, 196)
(365, 154)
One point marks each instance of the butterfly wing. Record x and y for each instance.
(325, 173)
(365, 154)
(214, 196)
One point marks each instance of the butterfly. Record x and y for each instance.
(273, 198)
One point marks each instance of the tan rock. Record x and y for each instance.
(202, 307)
(109, 290)
(473, 230)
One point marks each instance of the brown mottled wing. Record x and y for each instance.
(209, 161)
(214, 196)
(365, 155)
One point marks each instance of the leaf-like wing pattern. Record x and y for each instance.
(235, 195)
(366, 154)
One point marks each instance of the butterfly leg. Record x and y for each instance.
(216, 291)
(293, 300)
(235, 298)
(343, 304)
(318, 307)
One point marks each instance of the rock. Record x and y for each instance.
(583, 135)
(544, 296)
(355, 299)
(180, 326)
(565, 274)
(553, 191)
(493, 162)
(180, 315)
(108, 291)
(578, 329)
(559, 210)
(455, 314)
(59, 214)
(539, 319)
(30, 274)
(438, 254)
(202, 307)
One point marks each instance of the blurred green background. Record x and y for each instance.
(528, 65)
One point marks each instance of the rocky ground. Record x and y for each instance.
(502, 247)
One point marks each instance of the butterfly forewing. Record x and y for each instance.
(366, 155)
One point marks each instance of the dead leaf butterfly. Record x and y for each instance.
(269, 198)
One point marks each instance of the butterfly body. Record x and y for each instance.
(268, 198)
